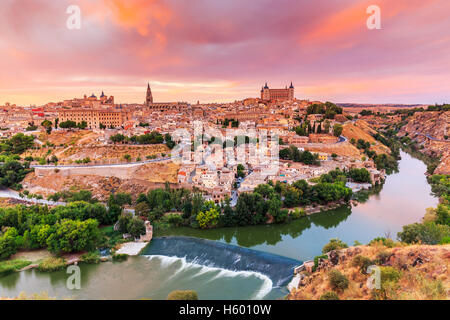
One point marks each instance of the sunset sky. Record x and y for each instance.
(224, 50)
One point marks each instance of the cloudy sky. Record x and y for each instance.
(223, 50)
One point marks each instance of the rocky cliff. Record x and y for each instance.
(431, 131)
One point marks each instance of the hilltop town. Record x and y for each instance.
(266, 160)
(93, 143)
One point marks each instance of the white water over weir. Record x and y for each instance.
(181, 266)
(218, 260)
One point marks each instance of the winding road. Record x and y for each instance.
(430, 137)
(128, 164)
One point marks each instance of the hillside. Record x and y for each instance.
(138, 180)
(436, 126)
(407, 272)
(360, 129)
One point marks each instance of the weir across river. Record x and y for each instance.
(221, 255)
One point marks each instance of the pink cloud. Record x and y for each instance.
(323, 46)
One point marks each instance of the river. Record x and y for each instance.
(245, 262)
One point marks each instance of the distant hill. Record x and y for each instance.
(381, 105)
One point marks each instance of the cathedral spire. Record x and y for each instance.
(149, 97)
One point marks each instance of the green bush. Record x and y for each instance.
(91, 257)
(174, 219)
(52, 264)
(316, 261)
(427, 233)
(362, 263)
(330, 295)
(296, 214)
(119, 257)
(389, 274)
(387, 242)
(183, 295)
(9, 266)
(334, 244)
(389, 283)
(338, 281)
(382, 257)
(445, 240)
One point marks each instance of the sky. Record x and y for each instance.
(225, 50)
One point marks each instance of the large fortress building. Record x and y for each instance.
(285, 94)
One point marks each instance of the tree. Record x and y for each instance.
(337, 129)
(142, 209)
(208, 219)
(274, 209)
(327, 126)
(169, 142)
(265, 190)
(117, 138)
(360, 175)
(284, 154)
(427, 233)
(47, 124)
(74, 236)
(8, 243)
(227, 218)
(443, 214)
(136, 227)
(69, 124)
(124, 221)
(12, 173)
(291, 197)
(120, 199)
(240, 171)
(187, 209)
(18, 143)
(82, 125)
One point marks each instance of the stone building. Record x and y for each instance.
(286, 94)
(95, 117)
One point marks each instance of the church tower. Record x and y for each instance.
(149, 98)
